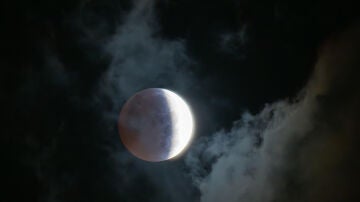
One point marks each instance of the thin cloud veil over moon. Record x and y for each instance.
(156, 124)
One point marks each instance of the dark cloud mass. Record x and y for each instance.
(299, 150)
(286, 72)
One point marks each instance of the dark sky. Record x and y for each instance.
(273, 85)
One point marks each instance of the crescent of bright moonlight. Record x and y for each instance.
(156, 124)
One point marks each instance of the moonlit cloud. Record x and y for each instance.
(293, 150)
(142, 59)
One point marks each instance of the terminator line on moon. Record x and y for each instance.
(155, 124)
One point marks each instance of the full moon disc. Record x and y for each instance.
(155, 124)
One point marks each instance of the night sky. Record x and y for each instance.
(274, 87)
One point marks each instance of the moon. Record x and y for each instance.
(156, 124)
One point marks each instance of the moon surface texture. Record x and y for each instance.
(156, 124)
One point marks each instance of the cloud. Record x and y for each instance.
(303, 149)
(75, 150)
(292, 150)
(234, 42)
(140, 58)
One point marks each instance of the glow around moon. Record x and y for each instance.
(156, 124)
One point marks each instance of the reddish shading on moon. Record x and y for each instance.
(155, 124)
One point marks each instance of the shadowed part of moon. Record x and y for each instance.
(146, 125)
